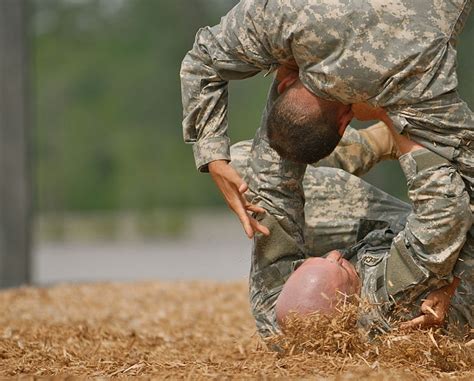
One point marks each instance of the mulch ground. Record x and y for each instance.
(199, 330)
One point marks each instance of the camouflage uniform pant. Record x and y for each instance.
(337, 204)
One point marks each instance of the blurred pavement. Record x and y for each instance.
(214, 247)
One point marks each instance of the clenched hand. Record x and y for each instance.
(233, 189)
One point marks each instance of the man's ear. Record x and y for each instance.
(344, 122)
(287, 82)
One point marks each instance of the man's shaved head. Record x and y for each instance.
(317, 286)
(305, 128)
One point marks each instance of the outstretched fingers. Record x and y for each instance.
(242, 208)
(254, 208)
(233, 188)
(433, 313)
(421, 321)
(258, 227)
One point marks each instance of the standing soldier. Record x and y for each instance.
(394, 61)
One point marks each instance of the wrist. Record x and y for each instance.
(406, 145)
(452, 287)
(211, 149)
(215, 165)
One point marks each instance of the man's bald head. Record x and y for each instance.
(317, 286)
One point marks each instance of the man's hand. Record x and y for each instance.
(381, 140)
(365, 112)
(233, 189)
(434, 308)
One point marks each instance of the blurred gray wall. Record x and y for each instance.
(15, 216)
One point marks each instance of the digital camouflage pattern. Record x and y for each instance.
(343, 212)
(399, 55)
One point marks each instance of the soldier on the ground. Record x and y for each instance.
(365, 232)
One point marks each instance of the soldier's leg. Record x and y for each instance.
(273, 258)
(337, 202)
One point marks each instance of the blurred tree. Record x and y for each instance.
(108, 103)
(109, 107)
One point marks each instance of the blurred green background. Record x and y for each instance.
(108, 107)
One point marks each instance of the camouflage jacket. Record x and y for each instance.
(400, 256)
(399, 55)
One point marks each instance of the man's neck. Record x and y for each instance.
(366, 112)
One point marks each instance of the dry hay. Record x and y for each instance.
(199, 330)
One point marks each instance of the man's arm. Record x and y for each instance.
(231, 50)
(445, 125)
(279, 181)
(436, 229)
(234, 49)
(434, 308)
(359, 150)
(423, 256)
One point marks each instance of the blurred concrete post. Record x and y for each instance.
(15, 205)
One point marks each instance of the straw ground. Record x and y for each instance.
(199, 330)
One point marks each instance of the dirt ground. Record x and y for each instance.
(197, 330)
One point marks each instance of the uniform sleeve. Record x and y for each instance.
(234, 49)
(353, 154)
(436, 229)
(445, 125)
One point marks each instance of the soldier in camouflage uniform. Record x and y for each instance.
(367, 225)
(399, 56)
